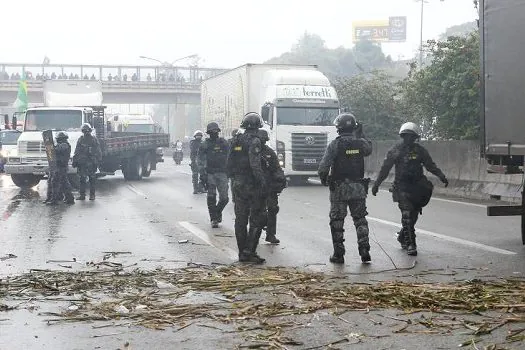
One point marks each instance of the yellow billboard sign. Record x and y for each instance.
(392, 29)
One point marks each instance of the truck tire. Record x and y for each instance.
(25, 180)
(74, 180)
(146, 165)
(132, 169)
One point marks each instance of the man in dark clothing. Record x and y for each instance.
(248, 186)
(344, 158)
(87, 158)
(60, 183)
(411, 188)
(194, 152)
(276, 183)
(212, 158)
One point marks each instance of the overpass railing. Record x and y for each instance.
(113, 85)
(150, 75)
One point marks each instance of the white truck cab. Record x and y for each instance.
(143, 123)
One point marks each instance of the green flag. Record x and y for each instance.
(21, 99)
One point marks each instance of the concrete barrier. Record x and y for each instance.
(463, 166)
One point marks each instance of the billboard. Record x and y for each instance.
(393, 29)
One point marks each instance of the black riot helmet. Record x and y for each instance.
(263, 135)
(251, 120)
(86, 128)
(61, 136)
(212, 127)
(345, 122)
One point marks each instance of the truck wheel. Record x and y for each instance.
(146, 165)
(25, 180)
(74, 180)
(133, 169)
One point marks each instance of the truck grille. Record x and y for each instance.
(32, 147)
(307, 150)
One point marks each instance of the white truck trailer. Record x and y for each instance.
(297, 103)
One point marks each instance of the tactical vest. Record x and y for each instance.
(409, 165)
(63, 153)
(216, 154)
(349, 162)
(239, 157)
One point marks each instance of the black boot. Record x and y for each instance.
(412, 247)
(338, 257)
(47, 200)
(81, 197)
(220, 207)
(249, 253)
(91, 196)
(271, 232)
(402, 239)
(272, 239)
(364, 252)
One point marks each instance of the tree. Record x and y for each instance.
(443, 97)
(372, 99)
(339, 62)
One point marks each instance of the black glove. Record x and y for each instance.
(445, 181)
(375, 189)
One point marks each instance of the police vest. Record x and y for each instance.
(349, 162)
(239, 157)
(216, 154)
(409, 165)
(63, 153)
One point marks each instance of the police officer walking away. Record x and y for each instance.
(86, 159)
(212, 158)
(194, 151)
(411, 188)
(344, 158)
(275, 184)
(60, 183)
(244, 167)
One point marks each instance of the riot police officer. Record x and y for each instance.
(276, 183)
(60, 182)
(411, 189)
(244, 167)
(87, 158)
(344, 158)
(194, 152)
(213, 154)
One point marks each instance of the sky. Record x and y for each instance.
(224, 33)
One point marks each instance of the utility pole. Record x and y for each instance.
(421, 32)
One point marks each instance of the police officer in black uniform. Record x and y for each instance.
(87, 158)
(248, 186)
(344, 158)
(212, 158)
(194, 152)
(60, 182)
(276, 183)
(411, 188)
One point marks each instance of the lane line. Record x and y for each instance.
(136, 191)
(448, 238)
(203, 235)
(432, 199)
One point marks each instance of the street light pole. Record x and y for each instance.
(421, 32)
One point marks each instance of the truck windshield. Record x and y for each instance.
(147, 128)
(9, 137)
(67, 120)
(306, 116)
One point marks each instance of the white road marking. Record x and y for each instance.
(448, 238)
(136, 191)
(206, 238)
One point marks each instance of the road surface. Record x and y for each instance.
(159, 222)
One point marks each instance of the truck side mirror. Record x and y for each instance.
(14, 122)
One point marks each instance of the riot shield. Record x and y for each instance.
(49, 144)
